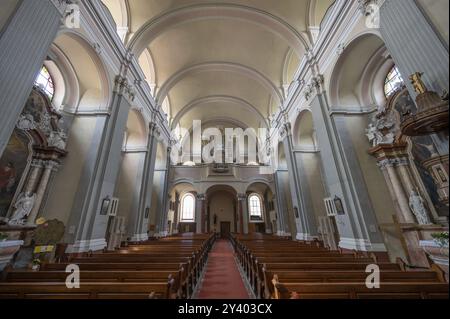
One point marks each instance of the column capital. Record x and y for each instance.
(393, 162)
(366, 6)
(49, 164)
(37, 163)
(123, 87)
(201, 197)
(242, 197)
(61, 5)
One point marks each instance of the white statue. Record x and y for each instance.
(417, 205)
(26, 122)
(57, 139)
(23, 207)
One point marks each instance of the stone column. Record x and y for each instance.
(49, 167)
(281, 207)
(139, 220)
(24, 44)
(176, 213)
(400, 196)
(306, 224)
(36, 169)
(165, 197)
(268, 222)
(199, 213)
(414, 44)
(243, 212)
(238, 219)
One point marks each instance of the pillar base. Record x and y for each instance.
(161, 234)
(281, 233)
(139, 237)
(361, 245)
(81, 246)
(307, 237)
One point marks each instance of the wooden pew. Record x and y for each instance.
(345, 277)
(279, 268)
(104, 290)
(407, 290)
(166, 268)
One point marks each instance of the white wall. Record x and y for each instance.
(221, 204)
(63, 188)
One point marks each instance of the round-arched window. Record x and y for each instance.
(44, 80)
(255, 207)
(393, 82)
(188, 208)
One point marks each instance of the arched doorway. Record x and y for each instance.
(222, 214)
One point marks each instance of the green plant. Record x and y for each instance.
(3, 236)
(36, 262)
(441, 239)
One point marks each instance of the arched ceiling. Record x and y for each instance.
(220, 59)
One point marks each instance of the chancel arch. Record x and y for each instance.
(154, 27)
(222, 210)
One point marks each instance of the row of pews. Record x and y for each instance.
(168, 268)
(279, 268)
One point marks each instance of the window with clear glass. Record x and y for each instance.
(45, 81)
(188, 208)
(393, 82)
(255, 207)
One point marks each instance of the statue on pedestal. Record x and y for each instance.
(417, 205)
(23, 207)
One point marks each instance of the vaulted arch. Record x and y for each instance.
(211, 99)
(219, 67)
(150, 30)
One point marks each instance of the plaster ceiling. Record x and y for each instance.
(219, 59)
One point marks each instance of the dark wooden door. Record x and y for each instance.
(225, 228)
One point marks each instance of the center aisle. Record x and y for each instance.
(222, 279)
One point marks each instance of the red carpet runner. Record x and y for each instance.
(222, 279)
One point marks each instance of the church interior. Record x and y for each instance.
(233, 149)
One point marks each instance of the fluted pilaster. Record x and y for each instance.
(24, 44)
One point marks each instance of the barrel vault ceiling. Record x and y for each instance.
(228, 60)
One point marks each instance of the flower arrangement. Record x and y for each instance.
(441, 239)
(36, 264)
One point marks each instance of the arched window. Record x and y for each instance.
(188, 208)
(45, 81)
(393, 82)
(255, 207)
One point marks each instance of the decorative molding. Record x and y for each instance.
(393, 162)
(139, 237)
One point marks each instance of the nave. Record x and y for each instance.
(205, 267)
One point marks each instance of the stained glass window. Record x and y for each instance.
(393, 82)
(188, 208)
(45, 81)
